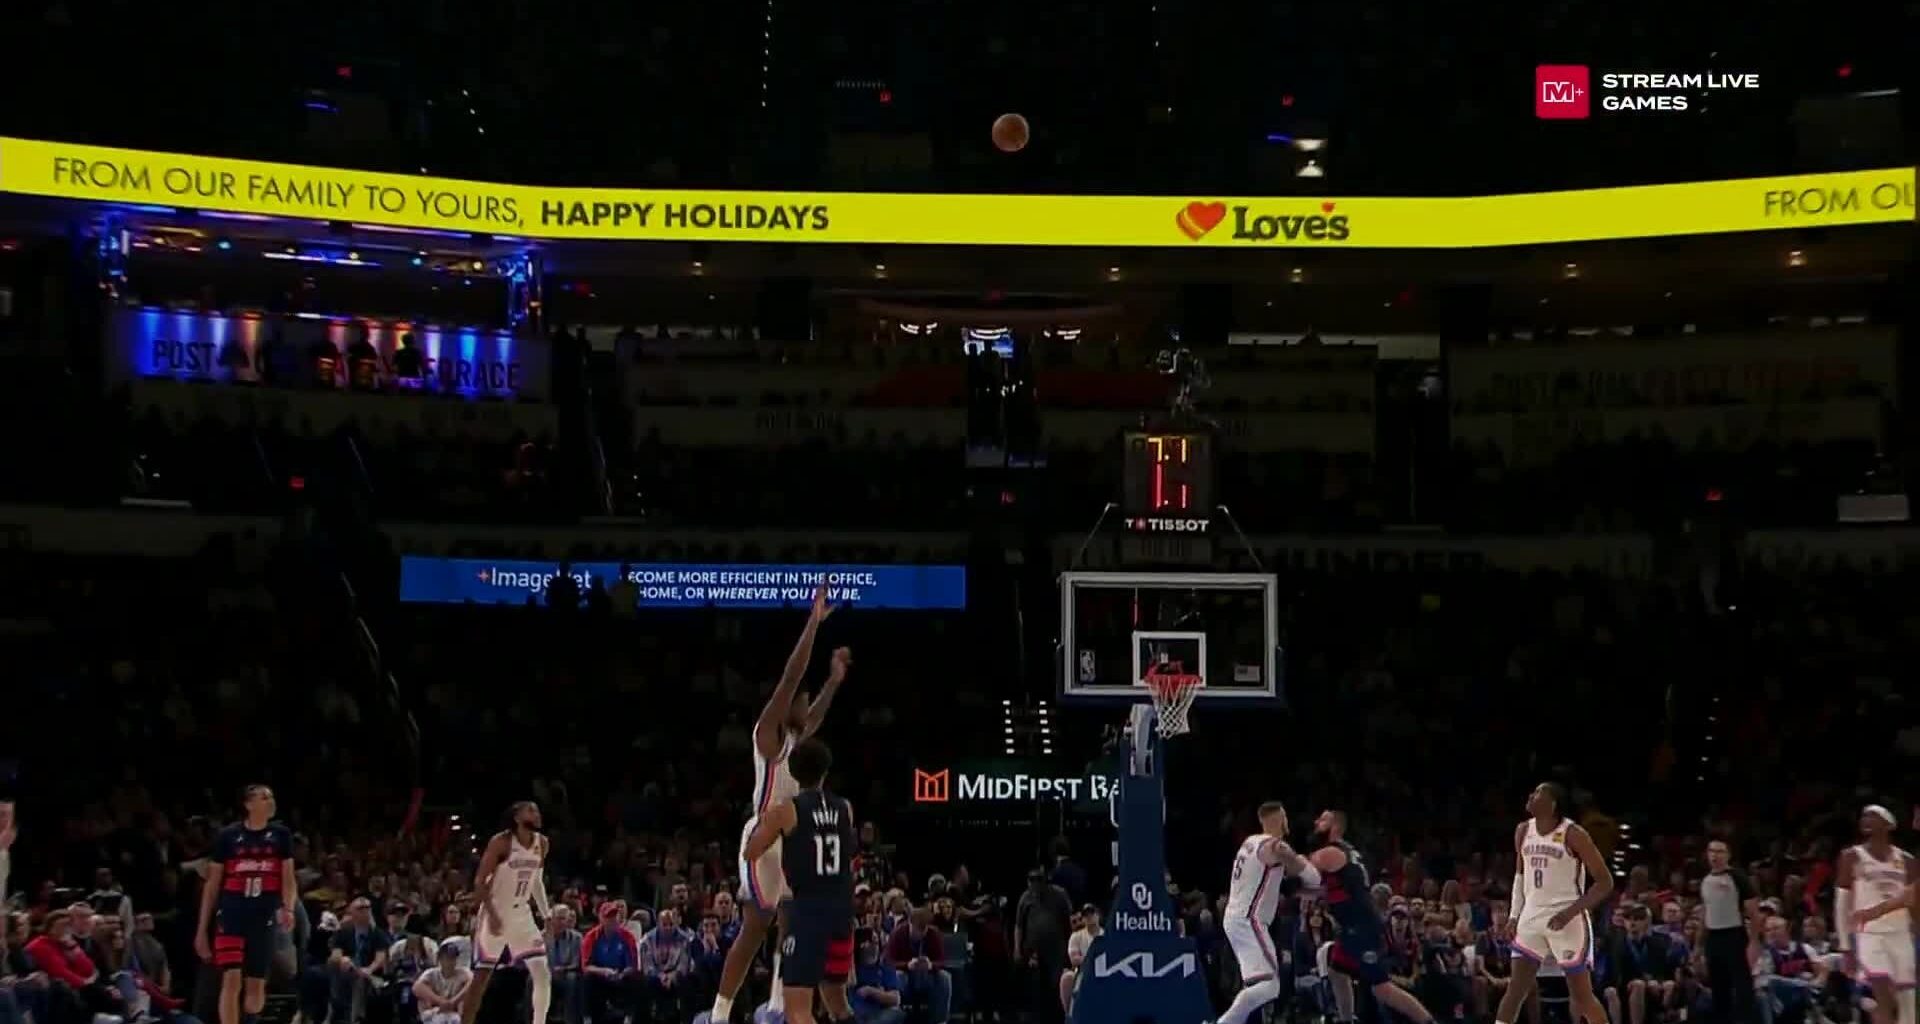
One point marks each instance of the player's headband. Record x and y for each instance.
(1880, 812)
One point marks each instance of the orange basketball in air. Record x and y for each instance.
(1010, 133)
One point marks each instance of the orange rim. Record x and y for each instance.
(1170, 685)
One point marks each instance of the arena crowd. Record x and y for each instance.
(238, 664)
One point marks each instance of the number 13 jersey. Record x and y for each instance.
(818, 852)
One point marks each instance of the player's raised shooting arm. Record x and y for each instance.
(778, 820)
(817, 711)
(1583, 847)
(766, 731)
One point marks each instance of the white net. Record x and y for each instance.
(1173, 695)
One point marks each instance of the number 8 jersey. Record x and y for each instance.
(818, 851)
(1551, 876)
(1552, 880)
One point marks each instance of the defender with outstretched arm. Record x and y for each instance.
(788, 718)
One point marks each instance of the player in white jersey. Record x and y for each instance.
(1872, 907)
(1253, 896)
(512, 884)
(1552, 916)
(788, 718)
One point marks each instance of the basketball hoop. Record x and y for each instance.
(1173, 694)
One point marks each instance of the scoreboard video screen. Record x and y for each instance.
(1167, 474)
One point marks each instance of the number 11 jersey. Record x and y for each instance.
(514, 876)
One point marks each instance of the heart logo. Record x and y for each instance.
(1198, 218)
(1326, 207)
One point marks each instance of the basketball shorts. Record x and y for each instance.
(243, 941)
(818, 947)
(1360, 954)
(501, 944)
(1253, 948)
(1570, 947)
(763, 882)
(1886, 955)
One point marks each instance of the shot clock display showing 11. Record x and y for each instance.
(1167, 481)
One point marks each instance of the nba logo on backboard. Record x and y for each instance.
(1560, 92)
(1089, 669)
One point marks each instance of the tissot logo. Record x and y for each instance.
(1167, 524)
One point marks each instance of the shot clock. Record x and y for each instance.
(1166, 476)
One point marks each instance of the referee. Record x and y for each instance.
(1731, 911)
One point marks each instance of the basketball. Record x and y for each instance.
(1010, 133)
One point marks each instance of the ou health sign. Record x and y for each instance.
(430, 580)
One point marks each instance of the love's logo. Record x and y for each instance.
(1197, 218)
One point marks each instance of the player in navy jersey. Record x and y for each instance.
(249, 891)
(816, 834)
(1360, 950)
(788, 718)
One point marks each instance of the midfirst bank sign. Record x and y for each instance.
(949, 785)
